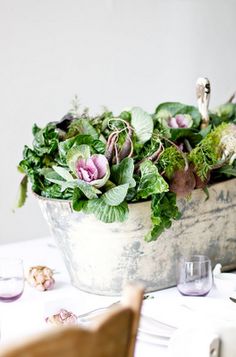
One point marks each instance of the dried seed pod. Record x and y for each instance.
(41, 277)
(63, 317)
(183, 182)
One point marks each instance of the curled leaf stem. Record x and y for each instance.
(127, 149)
(153, 157)
(116, 152)
(220, 164)
(110, 144)
(188, 146)
(126, 124)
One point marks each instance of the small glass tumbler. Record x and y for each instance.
(11, 279)
(194, 275)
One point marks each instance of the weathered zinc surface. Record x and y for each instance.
(101, 257)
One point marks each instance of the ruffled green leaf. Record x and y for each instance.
(89, 191)
(99, 146)
(226, 112)
(54, 177)
(82, 126)
(164, 210)
(64, 173)
(64, 147)
(116, 195)
(123, 172)
(151, 181)
(45, 140)
(105, 212)
(54, 191)
(142, 123)
(75, 153)
(77, 201)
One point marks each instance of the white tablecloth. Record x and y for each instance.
(26, 315)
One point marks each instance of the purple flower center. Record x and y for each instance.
(179, 121)
(92, 169)
(86, 170)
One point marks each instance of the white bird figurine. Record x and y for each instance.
(203, 90)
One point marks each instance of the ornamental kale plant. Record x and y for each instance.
(105, 162)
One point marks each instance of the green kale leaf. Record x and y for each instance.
(151, 182)
(142, 123)
(106, 213)
(123, 172)
(164, 210)
(116, 195)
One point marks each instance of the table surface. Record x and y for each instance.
(26, 316)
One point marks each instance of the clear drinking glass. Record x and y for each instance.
(11, 279)
(194, 275)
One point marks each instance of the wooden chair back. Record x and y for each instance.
(112, 334)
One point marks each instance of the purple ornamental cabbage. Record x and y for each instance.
(180, 121)
(92, 170)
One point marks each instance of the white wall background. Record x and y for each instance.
(116, 53)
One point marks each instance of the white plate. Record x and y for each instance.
(196, 314)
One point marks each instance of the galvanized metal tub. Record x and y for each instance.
(101, 257)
